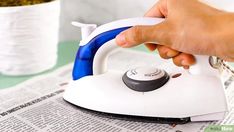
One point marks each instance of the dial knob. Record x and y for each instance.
(145, 79)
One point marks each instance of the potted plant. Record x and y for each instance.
(8, 3)
(29, 36)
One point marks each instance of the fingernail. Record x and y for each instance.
(186, 67)
(121, 40)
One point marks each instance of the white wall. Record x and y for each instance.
(98, 12)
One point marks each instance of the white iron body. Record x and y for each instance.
(197, 93)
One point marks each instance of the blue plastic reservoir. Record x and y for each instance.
(83, 65)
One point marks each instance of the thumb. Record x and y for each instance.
(142, 34)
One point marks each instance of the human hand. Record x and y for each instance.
(190, 27)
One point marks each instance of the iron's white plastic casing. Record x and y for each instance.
(198, 94)
(186, 96)
(203, 67)
(86, 29)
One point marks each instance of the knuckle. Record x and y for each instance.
(175, 61)
(163, 52)
(163, 55)
(137, 34)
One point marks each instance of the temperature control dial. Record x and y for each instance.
(145, 79)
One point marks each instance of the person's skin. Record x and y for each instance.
(190, 27)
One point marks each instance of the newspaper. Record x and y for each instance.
(37, 106)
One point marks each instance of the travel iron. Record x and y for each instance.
(172, 96)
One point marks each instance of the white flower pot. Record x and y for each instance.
(29, 38)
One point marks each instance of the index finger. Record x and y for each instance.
(158, 10)
(155, 11)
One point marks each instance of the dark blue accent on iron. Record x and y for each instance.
(83, 65)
